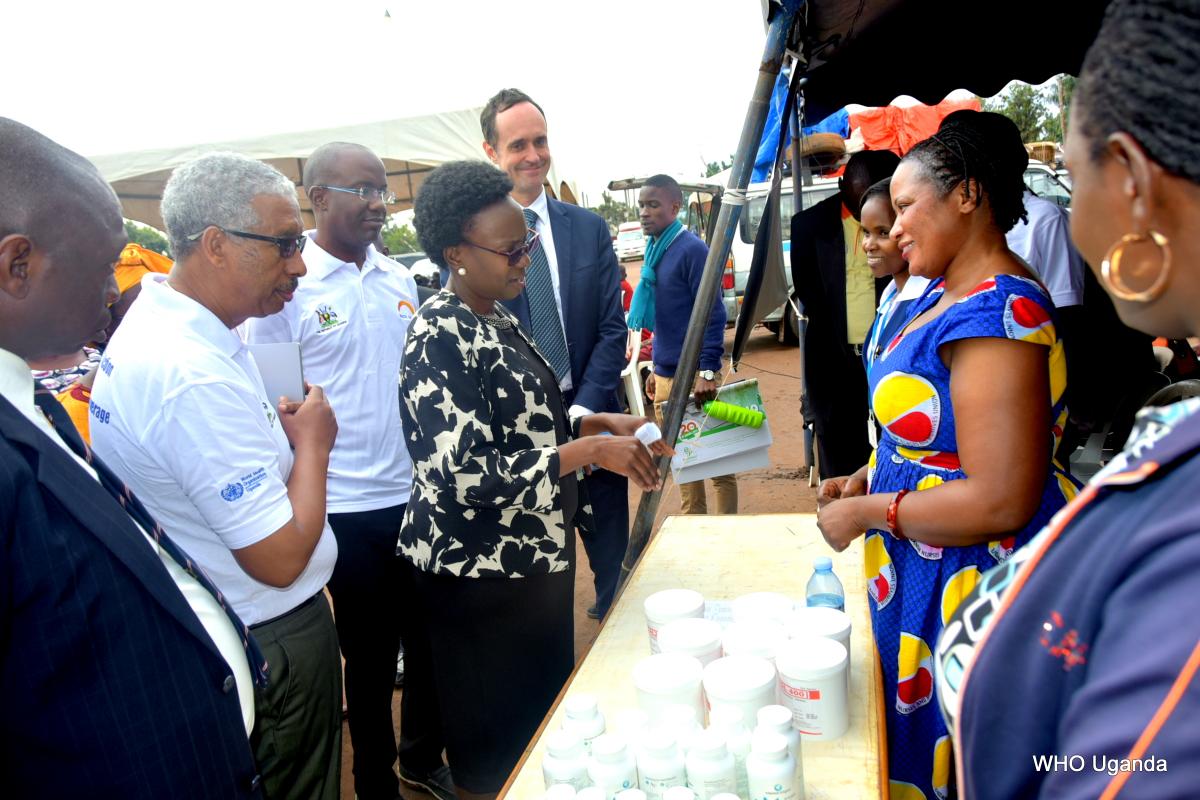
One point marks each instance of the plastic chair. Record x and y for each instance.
(631, 376)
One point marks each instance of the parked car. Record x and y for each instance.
(631, 241)
(424, 271)
(1047, 184)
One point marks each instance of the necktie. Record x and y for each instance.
(61, 421)
(543, 307)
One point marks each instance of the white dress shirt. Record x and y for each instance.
(16, 386)
(351, 325)
(1044, 243)
(189, 427)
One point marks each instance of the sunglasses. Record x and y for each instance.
(514, 256)
(288, 245)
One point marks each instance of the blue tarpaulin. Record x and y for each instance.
(837, 122)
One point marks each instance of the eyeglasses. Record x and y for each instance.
(365, 193)
(514, 256)
(288, 245)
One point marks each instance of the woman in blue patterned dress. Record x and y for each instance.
(969, 399)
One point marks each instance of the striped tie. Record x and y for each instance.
(61, 422)
(543, 307)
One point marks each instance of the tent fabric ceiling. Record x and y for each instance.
(872, 51)
(410, 149)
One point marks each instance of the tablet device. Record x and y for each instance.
(279, 365)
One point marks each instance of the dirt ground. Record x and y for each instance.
(780, 487)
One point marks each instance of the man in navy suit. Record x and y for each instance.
(121, 672)
(572, 305)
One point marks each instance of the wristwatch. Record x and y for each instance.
(707, 374)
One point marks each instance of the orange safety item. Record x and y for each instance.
(135, 262)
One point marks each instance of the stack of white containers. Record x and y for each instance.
(773, 674)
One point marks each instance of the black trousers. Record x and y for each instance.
(837, 401)
(373, 609)
(609, 494)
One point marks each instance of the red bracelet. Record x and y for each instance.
(893, 509)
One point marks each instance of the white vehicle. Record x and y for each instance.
(1048, 184)
(631, 241)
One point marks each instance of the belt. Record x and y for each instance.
(287, 614)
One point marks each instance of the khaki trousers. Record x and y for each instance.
(692, 499)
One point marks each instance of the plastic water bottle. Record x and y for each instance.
(824, 588)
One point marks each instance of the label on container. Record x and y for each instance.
(801, 693)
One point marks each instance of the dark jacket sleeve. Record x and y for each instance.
(602, 374)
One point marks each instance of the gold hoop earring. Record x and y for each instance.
(462, 270)
(1110, 268)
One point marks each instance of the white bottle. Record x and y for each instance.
(728, 720)
(771, 769)
(660, 764)
(591, 793)
(631, 794)
(726, 796)
(679, 793)
(612, 767)
(583, 718)
(710, 767)
(565, 761)
(778, 720)
(560, 791)
(632, 724)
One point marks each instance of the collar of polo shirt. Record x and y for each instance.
(321, 264)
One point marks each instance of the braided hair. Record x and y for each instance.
(982, 151)
(881, 189)
(1140, 77)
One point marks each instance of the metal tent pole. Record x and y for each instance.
(727, 220)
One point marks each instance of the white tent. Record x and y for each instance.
(410, 149)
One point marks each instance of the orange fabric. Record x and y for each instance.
(76, 400)
(1157, 721)
(898, 129)
(136, 261)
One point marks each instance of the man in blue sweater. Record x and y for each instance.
(676, 257)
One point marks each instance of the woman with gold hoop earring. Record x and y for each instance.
(1073, 670)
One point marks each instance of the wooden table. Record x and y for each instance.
(722, 558)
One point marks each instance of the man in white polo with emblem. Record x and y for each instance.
(350, 316)
(235, 477)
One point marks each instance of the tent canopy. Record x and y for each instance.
(871, 51)
(410, 149)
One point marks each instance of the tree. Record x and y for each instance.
(147, 237)
(1025, 106)
(614, 212)
(1058, 95)
(713, 167)
(400, 239)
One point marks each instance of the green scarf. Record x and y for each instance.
(641, 309)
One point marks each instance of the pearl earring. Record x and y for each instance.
(462, 270)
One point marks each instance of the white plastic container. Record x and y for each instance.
(729, 722)
(560, 791)
(828, 623)
(726, 796)
(632, 794)
(632, 724)
(778, 720)
(761, 639)
(812, 684)
(667, 679)
(683, 724)
(679, 793)
(583, 718)
(591, 793)
(710, 767)
(660, 764)
(771, 770)
(611, 767)
(742, 682)
(695, 637)
(565, 760)
(668, 606)
(763, 607)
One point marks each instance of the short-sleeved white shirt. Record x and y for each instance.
(1044, 243)
(181, 414)
(351, 325)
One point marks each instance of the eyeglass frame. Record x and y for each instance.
(365, 193)
(297, 242)
(520, 252)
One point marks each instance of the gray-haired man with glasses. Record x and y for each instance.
(351, 316)
(238, 478)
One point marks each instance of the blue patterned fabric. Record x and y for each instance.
(543, 307)
(915, 587)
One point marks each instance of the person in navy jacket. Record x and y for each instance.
(1071, 670)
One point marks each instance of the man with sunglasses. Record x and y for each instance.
(571, 305)
(350, 316)
(180, 412)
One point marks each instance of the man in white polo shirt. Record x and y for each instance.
(180, 412)
(351, 315)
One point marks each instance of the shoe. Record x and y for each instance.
(593, 612)
(438, 783)
(400, 670)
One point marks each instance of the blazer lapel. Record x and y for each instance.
(560, 229)
(101, 515)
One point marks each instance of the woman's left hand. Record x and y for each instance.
(839, 522)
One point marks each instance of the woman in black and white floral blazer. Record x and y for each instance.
(488, 532)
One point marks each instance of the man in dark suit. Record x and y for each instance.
(121, 672)
(834, 284)
(572, 305)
